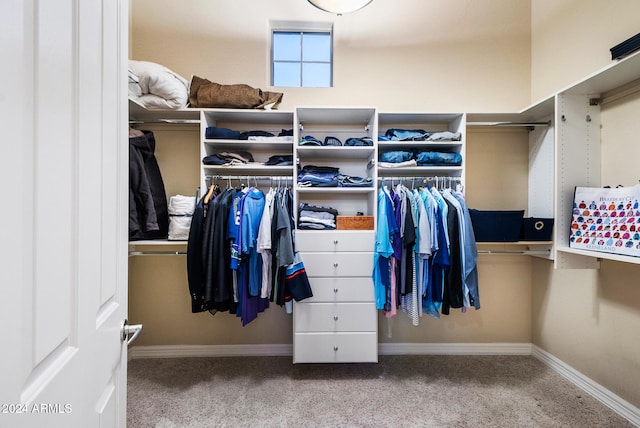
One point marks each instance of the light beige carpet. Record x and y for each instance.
(399, 391)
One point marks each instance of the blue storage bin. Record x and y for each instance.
(496, 226)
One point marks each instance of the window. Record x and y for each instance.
(301, 58)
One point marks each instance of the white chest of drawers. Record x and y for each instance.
(339, 324)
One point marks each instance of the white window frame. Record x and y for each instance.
(301, 27)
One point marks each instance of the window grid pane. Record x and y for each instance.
(287, 46)
(316, 75)
(286, 74)
(316, 47)
(301, 59)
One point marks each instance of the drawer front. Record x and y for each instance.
(334, 241)
(335, 348)
(334, 289)
(338, 264)
(334, 317)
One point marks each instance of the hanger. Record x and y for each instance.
(207, 197)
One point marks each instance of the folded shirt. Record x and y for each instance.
(225, 158)
(280, 160)
(317, 215)
(314, 226)
(308, 140)
(181, 205)
(408, 163)
(315, 169)
(307, 207)
(395, 156)
(331, 223)
(445, 136)
(284, 138)
(364, 141)
(181, 210)
(353, 181)
(396, 134)
(217, 133)
(439, 159)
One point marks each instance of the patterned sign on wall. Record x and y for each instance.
(606, 219)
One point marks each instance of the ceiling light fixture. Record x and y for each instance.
(339, 6)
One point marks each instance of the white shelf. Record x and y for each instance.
(247, 116)
(156, 242)
(249, 169)
(337, 190)
(417, 118)
(140, 114)
(336, 115)
(159, 247)
(600, 255)
(434, 145)
(248, 143)
(360, 152)
(542, 249)
(417, 170)
(530, 115)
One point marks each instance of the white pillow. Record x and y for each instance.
(160, 88)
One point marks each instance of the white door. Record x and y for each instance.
(63, 215)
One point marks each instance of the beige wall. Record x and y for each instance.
(590, 319)
(571, 39)
(400, 55)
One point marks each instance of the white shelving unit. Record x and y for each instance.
(430, 122)
(539, 120)
(578, 153)
(339, 324)
(341, 123)
(244, 121)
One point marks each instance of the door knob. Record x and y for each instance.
(127, 329)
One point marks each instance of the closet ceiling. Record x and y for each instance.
(382, 23)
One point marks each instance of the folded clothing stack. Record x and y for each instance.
(181, 210)
(328, 176)
(238, 157)
(312, 217)
(220, 133)
(402, 158)
(280, 160)
(318, 176)
(395, 134)
(309, 140)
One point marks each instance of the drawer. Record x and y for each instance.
(335, 348)
(334, 317)
(338, 264)
(334, 289)
(332, 240)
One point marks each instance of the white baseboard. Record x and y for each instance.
(183, 351)
(608, 398)
(178, 351)
(454, 348)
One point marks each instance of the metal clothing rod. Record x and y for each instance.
(171, 121)
(157, 253)
(516, 252)
(547, 123)
(244, 176)
(428, 178)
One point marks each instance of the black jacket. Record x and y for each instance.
(148, 212)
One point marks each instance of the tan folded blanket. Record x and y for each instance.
(204, 93)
